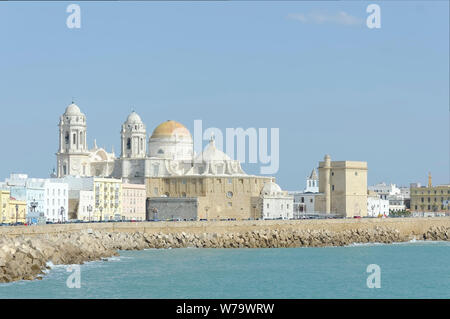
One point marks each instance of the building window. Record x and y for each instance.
(332, 187)
(230, 204)
(230, 194)
(356, 173)
(129, 144)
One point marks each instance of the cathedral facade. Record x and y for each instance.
(211, 182)
(168, 152)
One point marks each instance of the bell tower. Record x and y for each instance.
(134, 137)
(72, 156)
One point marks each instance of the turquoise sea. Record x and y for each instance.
(408, 270)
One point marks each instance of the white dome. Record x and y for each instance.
(73, 109)
(212, 154)
(270, 188)
(134, 118)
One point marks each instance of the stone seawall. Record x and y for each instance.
(25, 251)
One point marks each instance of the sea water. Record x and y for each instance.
(406, 270)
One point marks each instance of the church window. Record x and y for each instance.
(129, 144)
(183, 182)
(332, 187)
(230, 181)
(356, 173)
(160, 151)
(67, 138)
(64, 169)
(230, 194)
(230, 204)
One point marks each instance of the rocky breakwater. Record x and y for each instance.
(27, 257)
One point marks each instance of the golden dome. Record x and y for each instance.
(170, 128)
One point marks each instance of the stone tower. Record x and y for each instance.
(134, 137)
(343, 185)
(72, 156)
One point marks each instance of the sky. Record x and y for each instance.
(312, 69)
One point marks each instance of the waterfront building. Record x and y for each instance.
(94, 198)
(275, 203)
(376, 205)
(398, 197)
(343, 185)
(11, 210)
(4, 204)
(84, 207)
(304, 201)
(430, 198)
(134, 198)
(217, 183)
(107, 199)
(45, 198)
(17, 211)
(168, 167)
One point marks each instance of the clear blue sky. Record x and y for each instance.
(335, 87)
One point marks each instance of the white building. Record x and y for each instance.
(377, 206)
(275, 203)
(395, 195)
(304, 201)
(48, 196)
(86, 204)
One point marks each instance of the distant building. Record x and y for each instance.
(304, 201)
(377, 206)
(133, 202)
(398, 197)
(95, 198)
(430, 198)
(47, 197)
(11, 210)
(343, 185)
(275, 203)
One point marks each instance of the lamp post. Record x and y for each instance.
(101, 212)
(206, 210)
(17, 210)
(89, 209)
(61, 211)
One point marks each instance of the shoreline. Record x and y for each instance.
(25, 252)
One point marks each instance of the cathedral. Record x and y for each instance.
(179, 183)
(168, 152)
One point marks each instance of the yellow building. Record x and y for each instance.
(4, 205)
(12, 210)
(218, 197)
(430, 198)
(107, 198)
(343, 185)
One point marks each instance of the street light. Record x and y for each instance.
(89, 208)
(206, 209)
(101, 212)
(61, 211)
(17, 210)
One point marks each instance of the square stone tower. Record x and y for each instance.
(343, 185)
